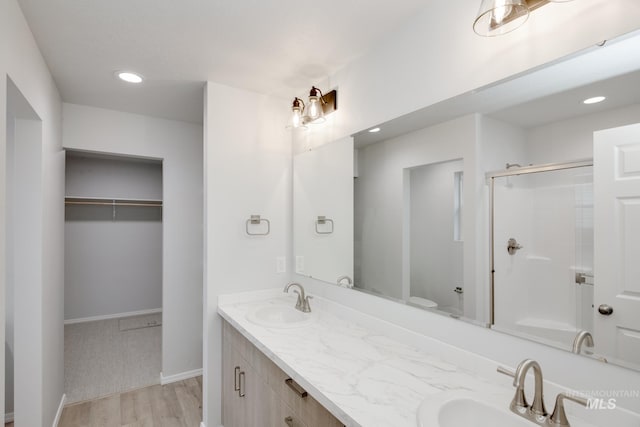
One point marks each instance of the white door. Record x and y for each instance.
(617, 243)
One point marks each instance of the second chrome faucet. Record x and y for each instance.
(536, 412)
(302, 303)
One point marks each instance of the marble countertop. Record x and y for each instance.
(368, 372)
(363, 377)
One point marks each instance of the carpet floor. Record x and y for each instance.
(100, 359)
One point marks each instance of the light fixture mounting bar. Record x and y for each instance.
(329, 102)
(534, 4)
(531, 5)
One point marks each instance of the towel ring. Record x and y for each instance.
(256, 220)
(322, 220)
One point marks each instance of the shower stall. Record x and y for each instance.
(542, 251)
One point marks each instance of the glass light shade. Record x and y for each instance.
(314, 110)
(296, 121)
(497, 17)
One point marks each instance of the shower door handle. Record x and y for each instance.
(605, 309)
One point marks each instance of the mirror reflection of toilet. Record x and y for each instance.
(423, 302)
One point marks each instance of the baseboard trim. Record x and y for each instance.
(60, 408)
(112, 316)
(179, 377)
(8, 418)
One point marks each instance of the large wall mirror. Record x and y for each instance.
(515, 206)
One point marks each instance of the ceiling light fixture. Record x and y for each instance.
(314, 111)
(594, 100)
(374, 130)
(129, 76)
(498, 17)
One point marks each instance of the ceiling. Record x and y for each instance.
(276, 47)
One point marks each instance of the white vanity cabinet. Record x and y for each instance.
(256, 393)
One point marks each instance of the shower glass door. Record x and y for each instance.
(543, 253)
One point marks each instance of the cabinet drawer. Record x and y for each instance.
(308, 409)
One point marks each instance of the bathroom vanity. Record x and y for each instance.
(360, 371)
(256, 392)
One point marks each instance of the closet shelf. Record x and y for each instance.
(101, 201)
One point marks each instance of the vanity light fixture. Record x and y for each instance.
(314, 111)
(497, 17)
(297, 121)
(129, 76)
(374, 130)
(594, 100)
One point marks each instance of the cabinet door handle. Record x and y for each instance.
(236, 379)
(241, 382)
(296, 388)
(289, 421)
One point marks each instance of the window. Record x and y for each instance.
(457, 205)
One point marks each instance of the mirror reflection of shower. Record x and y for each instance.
(543, 281)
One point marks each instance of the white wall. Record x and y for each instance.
(27, 266)
(24, 147)
(112, 265)
(247, 171)
(436, 56)
(10, 271)
(179, 145)
(21, 61)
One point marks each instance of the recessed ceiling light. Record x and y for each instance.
(594, 100)
(129, 77)
(374, 130)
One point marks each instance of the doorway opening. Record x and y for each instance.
(113, 274)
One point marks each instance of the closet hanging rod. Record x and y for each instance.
(80, 201)
(146, 205)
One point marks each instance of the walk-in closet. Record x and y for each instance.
(113, 274)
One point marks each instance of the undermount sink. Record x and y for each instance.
(279, 316)
(468, 409)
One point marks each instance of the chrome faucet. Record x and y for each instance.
(347, 278)
(537, 406)
(535, 412)
(583, 337)
(559, 417)
(302, 303)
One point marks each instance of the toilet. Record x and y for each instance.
(422, 302)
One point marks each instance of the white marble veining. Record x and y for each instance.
(372, 375)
